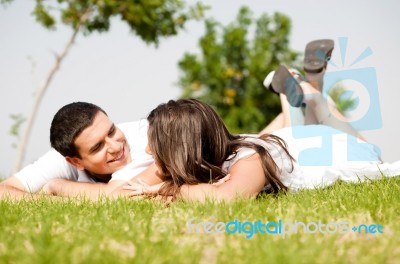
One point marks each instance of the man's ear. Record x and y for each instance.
(75, 162)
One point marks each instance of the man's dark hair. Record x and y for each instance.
(68, 123)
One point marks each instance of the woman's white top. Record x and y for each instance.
(322, 156)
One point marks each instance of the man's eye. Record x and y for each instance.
(97, 148)
(112, 131)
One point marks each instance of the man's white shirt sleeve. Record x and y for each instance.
(51, 165)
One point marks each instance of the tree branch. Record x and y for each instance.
(40, 93)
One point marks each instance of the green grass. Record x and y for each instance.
(124, 231)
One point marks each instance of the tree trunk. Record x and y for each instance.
(39, 96)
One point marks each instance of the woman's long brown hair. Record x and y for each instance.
(190, 142)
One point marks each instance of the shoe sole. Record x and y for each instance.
(284, 82)
(317, 54)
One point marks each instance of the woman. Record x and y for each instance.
(192, 148)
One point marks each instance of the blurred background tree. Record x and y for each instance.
(150, 20)
(230, 70)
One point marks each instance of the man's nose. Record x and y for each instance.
(112, 145)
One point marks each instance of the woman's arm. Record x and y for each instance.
(247, 179)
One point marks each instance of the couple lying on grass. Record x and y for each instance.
(185, 151)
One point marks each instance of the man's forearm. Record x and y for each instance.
(12, 188)
(11, 193)
(86, 190)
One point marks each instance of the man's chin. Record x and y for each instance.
(120, 166)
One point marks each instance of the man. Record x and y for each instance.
(88, 150)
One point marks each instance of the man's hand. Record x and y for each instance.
(47, 188)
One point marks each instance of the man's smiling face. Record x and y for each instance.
(102, 147)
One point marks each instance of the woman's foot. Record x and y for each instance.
(317, 54)
(268, 79)
(284, 82)
(311, 94)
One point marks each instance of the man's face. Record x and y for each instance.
(102, 146)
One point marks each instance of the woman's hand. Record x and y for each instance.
(142, 188)
(223, 180)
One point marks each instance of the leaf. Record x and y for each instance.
(18, 119)
(43, 17)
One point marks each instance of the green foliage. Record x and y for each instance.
(149, 19)
(42, 16)
(143, 231)
(18, 119)
(233, 63)
(343, 103)
(3, 2)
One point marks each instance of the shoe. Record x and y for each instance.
(268, 80)
(284, 82)
(317, 54)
